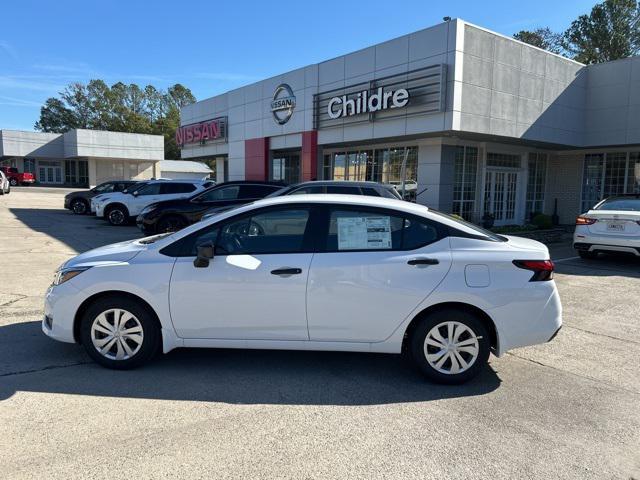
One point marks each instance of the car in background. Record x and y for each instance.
(172, 215)
(312, 272)
(16, 178)
(372, 189)
(120, 207)
(80, 202)
(5, 186)
(613, 225)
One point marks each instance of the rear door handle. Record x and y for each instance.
(423, 261)
(286, 271)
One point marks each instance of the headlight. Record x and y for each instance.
(65, 274)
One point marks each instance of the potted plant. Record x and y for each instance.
(487, 220)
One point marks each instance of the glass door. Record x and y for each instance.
(285, 167)
(500, 196)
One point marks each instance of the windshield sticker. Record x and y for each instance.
(364, 233)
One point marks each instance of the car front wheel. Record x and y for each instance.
(450, 346)
(79, 207)
(13, 182)
(117, 215)
(119, 333)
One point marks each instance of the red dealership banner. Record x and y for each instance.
(215, 129)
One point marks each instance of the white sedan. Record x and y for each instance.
(312, 272)
(613, 225)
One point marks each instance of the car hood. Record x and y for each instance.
(116, 252)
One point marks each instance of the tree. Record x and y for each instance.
(542, 38)
(611, 31)
(119, 108)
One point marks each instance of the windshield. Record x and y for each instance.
(620, 203)
(471, 228)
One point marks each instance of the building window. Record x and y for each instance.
(464, 181)
(83, 172)
(70, 172)
(504, 160)
(382, 165)
(535, 183)
(29, 165)
(614, 173)
(285, 166)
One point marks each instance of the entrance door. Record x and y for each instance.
(285, 166)
(49, 172)
(500, 196)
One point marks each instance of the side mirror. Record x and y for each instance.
(205, 253)
(135, 193)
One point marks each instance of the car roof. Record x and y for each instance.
(252, 182)
(346, 183)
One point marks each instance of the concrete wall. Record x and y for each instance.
(17, 143)
(613, 103)
(515, 90)
(101, 144)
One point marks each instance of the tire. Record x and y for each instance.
(79, 207)
(13, 182)
(587, 255)
(8, 190)
(117, 215)
(170, 223)
(99, 319)
(441, 368)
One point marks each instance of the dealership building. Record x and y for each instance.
(478, 122)
(82, 157)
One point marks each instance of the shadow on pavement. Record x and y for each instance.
(606, 265)
(230, 376)
(79, 232)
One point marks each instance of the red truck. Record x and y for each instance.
(17, 178)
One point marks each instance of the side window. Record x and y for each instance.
(151, 189)
(229, 192)
(272, 231)
(378, 230)
(256, 191)
(346, 190)
(118, 187)
(372, 192)
(308, 190)
(173, 188)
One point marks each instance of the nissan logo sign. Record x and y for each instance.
(284, 101)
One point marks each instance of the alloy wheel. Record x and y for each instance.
(117, 334)
(116, 217)
(451, 347)
(79, 207)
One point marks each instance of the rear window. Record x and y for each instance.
(623, 204)
(173, 188)
(471, 229)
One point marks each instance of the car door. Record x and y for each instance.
(376, 268)
(146, 195)
(219, 196)
(255, 286)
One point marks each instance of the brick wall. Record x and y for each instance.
(564, 182)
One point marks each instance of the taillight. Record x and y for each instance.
(542, 269)
(580, 220)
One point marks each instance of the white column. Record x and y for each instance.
(429, 167)
(219, 169)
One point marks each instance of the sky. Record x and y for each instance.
(210, 46)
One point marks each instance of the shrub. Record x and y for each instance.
(542, 221)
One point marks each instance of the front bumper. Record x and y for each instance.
(60, 306)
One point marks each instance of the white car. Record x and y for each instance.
(613, 225)
(5, 186)
(312, 272)
(120, 207)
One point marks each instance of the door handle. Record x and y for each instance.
(423, 261)
(286, 271)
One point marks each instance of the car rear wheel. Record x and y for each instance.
(450, 346)
(79, 207)
(119, 333)
(117, 215)
(172, 223)
(587, 255)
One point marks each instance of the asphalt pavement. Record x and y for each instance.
(566, 409)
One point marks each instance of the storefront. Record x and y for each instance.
(82, 158)
(469, 121)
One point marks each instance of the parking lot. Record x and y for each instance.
(567, 409)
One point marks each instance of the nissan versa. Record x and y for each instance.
(312, 272)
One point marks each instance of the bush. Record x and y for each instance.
(542, 221)
(456, 216)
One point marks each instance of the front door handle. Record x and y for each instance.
(423, 261)
(286, 271)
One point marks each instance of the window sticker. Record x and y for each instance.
(364, 233)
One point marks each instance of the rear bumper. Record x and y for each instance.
(27, 180)
(604, 247)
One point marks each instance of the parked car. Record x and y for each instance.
(16, 178)
(80, 202)
(118, 208)
(613, 225)
(5, 186)
(98, 198)
(373, 189)
(172, 215)
(312, 272)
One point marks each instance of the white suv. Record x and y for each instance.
(613, 225)
(119, 207)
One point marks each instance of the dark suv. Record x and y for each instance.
(79, 202)
(172, 215)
